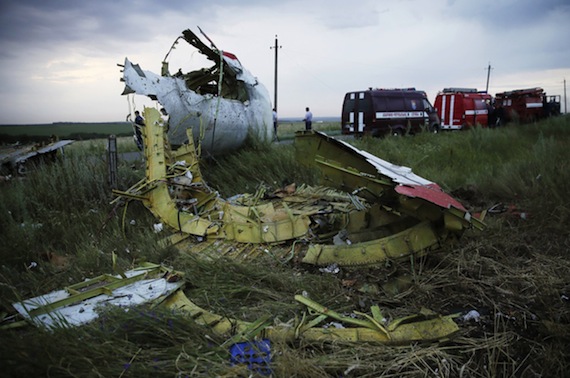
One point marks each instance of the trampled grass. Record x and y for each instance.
(58, 227)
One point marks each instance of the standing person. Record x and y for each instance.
(275, 125)
(164, 116)
(308, 119)
(139, 124)
(498, 113)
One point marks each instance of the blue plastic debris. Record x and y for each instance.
(255, 354)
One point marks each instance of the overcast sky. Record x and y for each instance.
(59, 58)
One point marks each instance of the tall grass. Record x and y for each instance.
(64, 209)
(272, 166)
(514, 273)
(525, 165)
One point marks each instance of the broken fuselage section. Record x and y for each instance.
(222, 104)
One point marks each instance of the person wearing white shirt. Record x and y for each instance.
(308, 119)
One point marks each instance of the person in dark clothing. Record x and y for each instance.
(139, 124)
(498, 115)
(275, 120)
(490, 113)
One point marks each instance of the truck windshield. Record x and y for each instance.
(427, 105)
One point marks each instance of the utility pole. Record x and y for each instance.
(276, 47)
(565, 102)
(488, 75)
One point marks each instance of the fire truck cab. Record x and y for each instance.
(461, 108)
(379, 112)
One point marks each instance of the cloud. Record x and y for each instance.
(60, 56)
(509, 14)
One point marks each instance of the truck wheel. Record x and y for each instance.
(397, 132)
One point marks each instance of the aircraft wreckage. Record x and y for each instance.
(371, 211)
(222, 104)
(366, 212)
(15, 159)
(156, 285)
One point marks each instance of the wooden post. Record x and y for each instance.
(112, 160)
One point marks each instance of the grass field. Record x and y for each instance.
(89, 131)
(58, 228)
(62, 130)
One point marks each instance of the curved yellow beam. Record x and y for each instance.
(212, 216)
(406, 330)
(415, 239)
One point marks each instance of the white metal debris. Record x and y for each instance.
(85, 311)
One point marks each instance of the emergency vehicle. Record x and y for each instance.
(526, 105)
(461, 108)
(378, 112)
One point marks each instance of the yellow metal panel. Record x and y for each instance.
(164, 208)
(413, 240)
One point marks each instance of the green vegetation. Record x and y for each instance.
(62, 130)
(287, 130)
(90, 131)
(526, 164)
(58, 227)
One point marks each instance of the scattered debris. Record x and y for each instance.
(157, 227)
(369, 211)
(471, 315)
(79, 303)
(333, 269)
(157, 285)
(15, 159)
(256, 355)
(510, 209)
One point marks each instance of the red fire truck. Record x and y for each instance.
(461, 108)
(526, 105)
